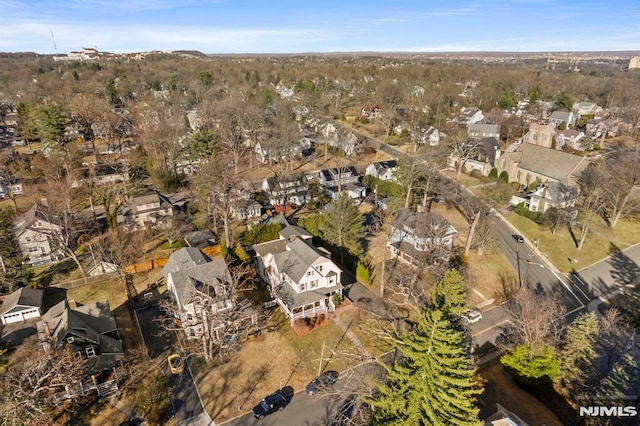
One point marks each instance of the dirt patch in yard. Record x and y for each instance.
(499, 387)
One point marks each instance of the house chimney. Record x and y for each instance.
(72, 304)
(47, 330)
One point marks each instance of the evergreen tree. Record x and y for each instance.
(13, 274)
(343, 226)
(577, 350)
(532, 365)
(448, 293)
(434, 383)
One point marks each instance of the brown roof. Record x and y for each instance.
(548, 162)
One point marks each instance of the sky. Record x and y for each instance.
(297, 26)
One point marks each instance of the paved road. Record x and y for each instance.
(185, 399)
(608, 274)
(536, 271)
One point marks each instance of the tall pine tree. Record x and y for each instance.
(449, 293)
(435, 383)
(343, 226)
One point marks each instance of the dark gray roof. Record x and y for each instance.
(25, 296)
(90, 324)
(200, 239)
(186, 257)
(209, 279)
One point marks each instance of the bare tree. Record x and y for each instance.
(219, 186)
(536, 317)
(591, 181)
(222, 330)
(34, 381)
(624, 173)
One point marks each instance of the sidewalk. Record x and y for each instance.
(335, 317)
(126, 410)
(595, 303)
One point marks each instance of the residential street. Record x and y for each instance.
(185, 399)
(611, 273)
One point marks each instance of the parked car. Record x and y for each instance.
(322, 382)
(519, 238)
(270, 404)
(471, 317)
(175, 364)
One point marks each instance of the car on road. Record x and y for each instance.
(519, 238)
(471, 316)
(270, 404)
(322, 382)
(175, 364)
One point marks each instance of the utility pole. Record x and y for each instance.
(518, 261)
(321, 359)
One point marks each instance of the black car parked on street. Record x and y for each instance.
(323, 381)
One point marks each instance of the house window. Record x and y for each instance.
(192, 332)
(91, 351)
(223, 305)
(314, 284)
(309, 273)
(189, 317)
(77, 355)
(28, 239)
(319, 268)
(33, 249)
(70, 339)
(303, 286)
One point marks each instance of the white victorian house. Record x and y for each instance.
(302, 278)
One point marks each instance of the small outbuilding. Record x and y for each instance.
(21, 305)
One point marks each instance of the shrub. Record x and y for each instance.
(504, 177)
(262, 234)
(493, 174)
(241, 253)
(533, 216)
(363, 271)
(475, 173)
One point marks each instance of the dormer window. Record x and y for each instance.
(91, 351)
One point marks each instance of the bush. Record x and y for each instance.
(241, 253)
(493, 174)
(363, 272)
(475, 173)
(596, 146)
(533, 216)
(504, 177)
(262, 234)
(384, 188)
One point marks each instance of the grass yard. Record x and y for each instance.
(269, 362)
(358, 320)
(601, 241)
(486, 274)
(464, 178)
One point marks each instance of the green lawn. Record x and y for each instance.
(357, 319)
(310, 347)
(600, 243)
